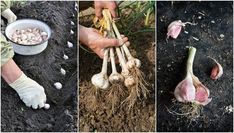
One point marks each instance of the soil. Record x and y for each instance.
(142, 116)
(45, 69)
(214, 19)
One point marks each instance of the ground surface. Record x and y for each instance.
(171, 59)
(45, 69)
(142, 117)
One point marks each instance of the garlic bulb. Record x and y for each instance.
(100, 80)
(115, 77)
(191, 89)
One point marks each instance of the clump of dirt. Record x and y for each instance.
(102, 118)
(45, 69)
(213, 19)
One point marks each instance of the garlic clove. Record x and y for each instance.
(46, 106)
(63, 72)
(69, 44)
(185, 91)
(202, 92)
(58, 85)
(65, 57)
(174, 29)
(72, 23)
(217, 70)
(71, 32)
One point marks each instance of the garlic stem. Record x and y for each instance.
(122, 51)
(112, 57)
(120, 56)
(128, 54)
(191, 55)
(104, 63)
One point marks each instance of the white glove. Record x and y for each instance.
(9, 15)
(30, 92)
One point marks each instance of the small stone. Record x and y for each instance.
(186, 32)
(212, 21)
(199, 17)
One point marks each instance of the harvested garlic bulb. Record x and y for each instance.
(69, 44)
(100, 80)
(217, 70)
(58, 85)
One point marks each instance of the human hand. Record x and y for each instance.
(97, 43)
(29, 91)
(9, 15)
(99, 5)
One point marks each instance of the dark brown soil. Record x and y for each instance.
(45, 69)
(172, 56)
(142, 116)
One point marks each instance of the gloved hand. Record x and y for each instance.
(9, 15)
(30, 92)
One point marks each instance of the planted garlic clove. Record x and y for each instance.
(69, 44)
(100, 81)
(72, 23)
(63, 72)
(174, 29)
(217, 70)
(65, 57)
(71, 32)
(46, 106)
(58, 85)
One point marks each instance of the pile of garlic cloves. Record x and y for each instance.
(130, 79)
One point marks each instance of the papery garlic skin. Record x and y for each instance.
(116, 78)
(174, 29)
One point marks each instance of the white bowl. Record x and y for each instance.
(24, 49)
